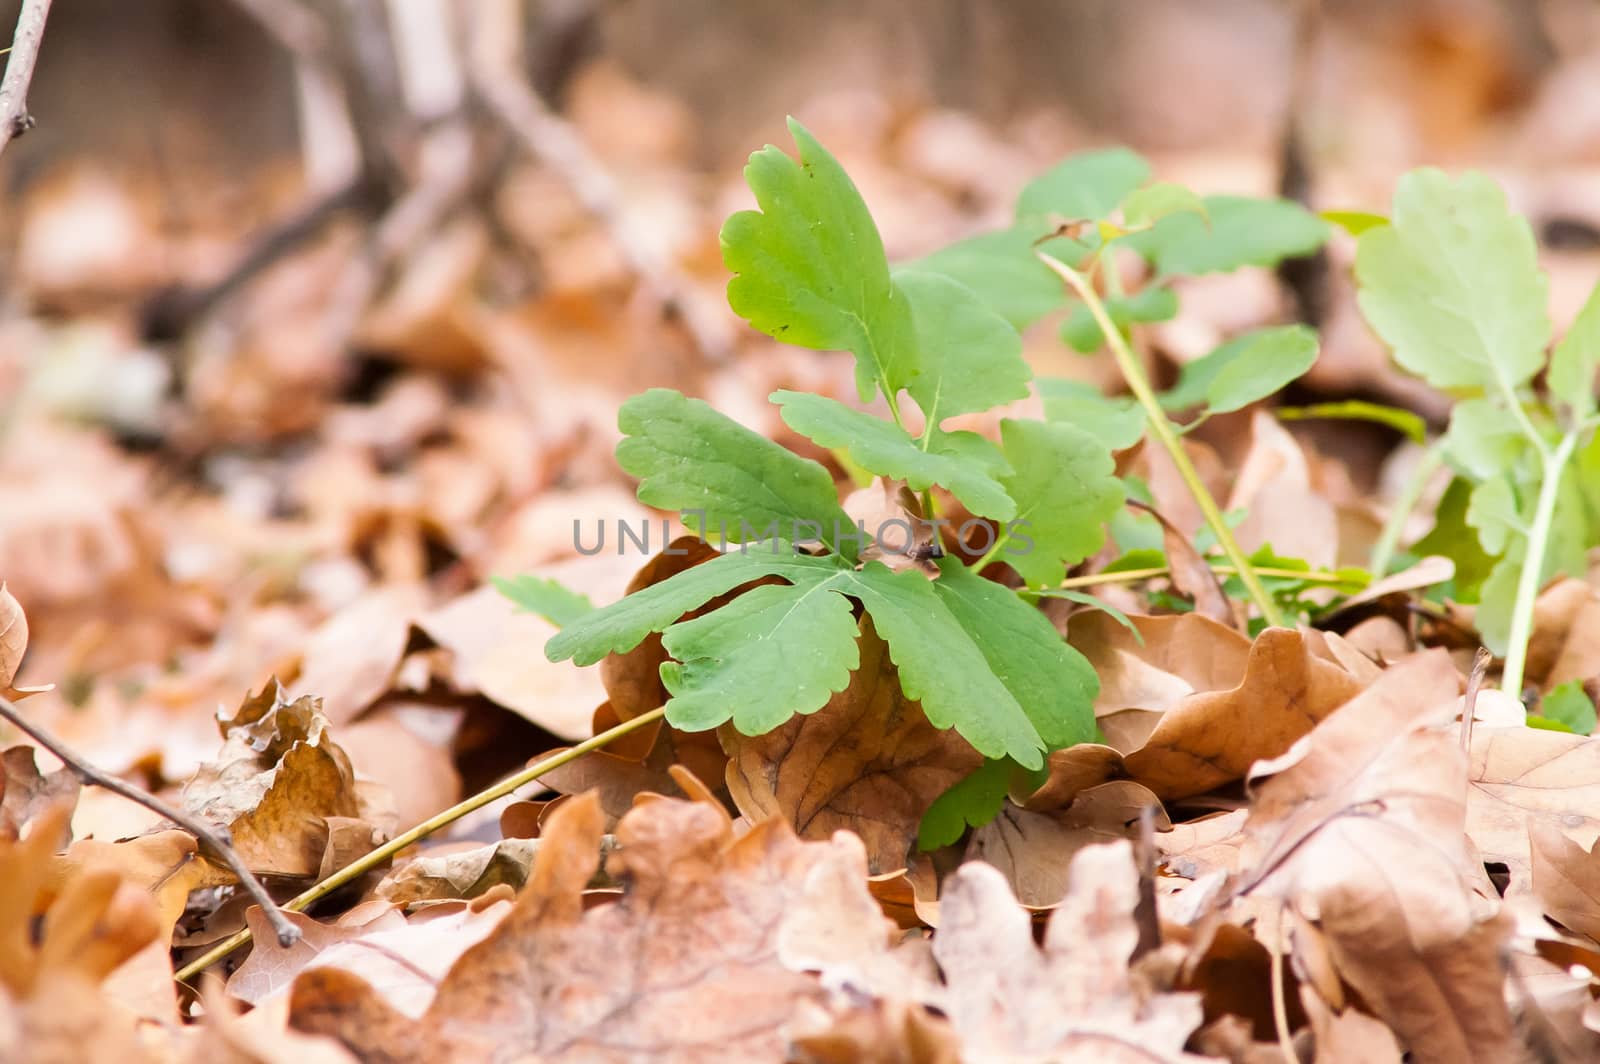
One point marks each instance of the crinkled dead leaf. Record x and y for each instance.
(897, 534)
(684, 967)
(1072, 999)
(276, 782)
(1566, 878)
(349, 662)
(229, 1038)
(1282, 508)
(891, 1031)
(1187, 713)
(638, 763)
(1566, 635)
(461, 874)
(1360, 829)
(1034, 850)
(868, 762)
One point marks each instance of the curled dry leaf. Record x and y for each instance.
(1072, 999)
(350, 660)
(1361, 831)
(684, 967)
(13, 646)
(1197, 704)
(1566, 878)
(892, 516)
(1566, 634)
(277, 782)
(868, 761)
(460, 874)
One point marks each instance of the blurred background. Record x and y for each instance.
(314, 314)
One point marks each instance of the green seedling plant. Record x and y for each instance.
(1452, 284)
(932, 340)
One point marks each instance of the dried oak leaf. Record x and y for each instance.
(1197, 704)
(1519, 775)
(868, 762)
(1034, 850)
(460, 874)
(1073, 998)
(1566, 878)
(57, 946)
(684, 967)
(1360, 830)
(277, 782)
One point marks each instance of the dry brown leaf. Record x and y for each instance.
(1524, 774)
(1192, 576)
(881, 1032)
(25, 791)
(638, 763)
(228, 1038)
(276, 782)
(1360, 829)
(496, 652)
(868, 762)
(13, 646)
(1283, 510)
(56, 950)
(684, 967)
(1035, 850)
(1566, 635)
(1185, 721)
(463, 873)
(350, 661)
(1566, 878)
(1074, 998)
(898, 536)
(1348, 1035)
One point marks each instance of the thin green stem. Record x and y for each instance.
(1524, 422)
(992, 553)
(1400, 512)
(1133, 576)
(1163, 429)
(1533, 564)
(361, 866)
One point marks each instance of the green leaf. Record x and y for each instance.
(1153, 202)
(1404, 421)
(1153, 303)
(941, 667)
(1353, 222)
(1237, 231)
(1053, 683)
(974, 802)
(547, 598)
(767, 655)
(1453, 538)
(1088, 185)
(1066, 486)
(1453, 284)
(1117, 423)
(623, 625)
(1197, 380)
(810, 265)
(1576, 357)
(1483, 438)
(1094, 602)
(690, 458)
(1000, 268)
(970, 359)
(1493, 512)
(1496, 600)
(889, 450)
(1271, 359)
(1568, 704)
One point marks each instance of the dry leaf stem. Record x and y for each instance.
(213, 838)
(14, 117)
(361, 866)
(1133, 373)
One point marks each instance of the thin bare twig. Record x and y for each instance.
(1469, 701)
(14, 117)
(214, 839)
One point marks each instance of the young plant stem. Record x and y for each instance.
(1133, 576)
(1532, 576)
(1133, 373)
(213, 837)
(1389, 539)
(361, 866)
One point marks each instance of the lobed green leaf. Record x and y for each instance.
(547, 598)
(969, 359)
(1065, 482)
